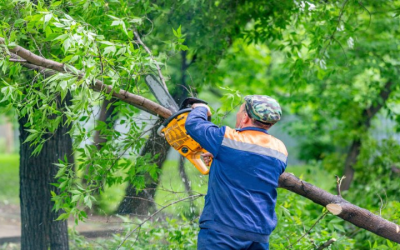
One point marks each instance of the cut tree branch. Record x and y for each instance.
(340, 207)
(336, 205)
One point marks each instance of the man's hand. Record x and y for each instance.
(195, 105)
(207, 157)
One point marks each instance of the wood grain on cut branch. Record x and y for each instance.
(44, 65)
(340, 207)
(357, 216)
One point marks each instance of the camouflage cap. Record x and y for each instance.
(263, 108)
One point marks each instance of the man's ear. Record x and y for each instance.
(247, 118)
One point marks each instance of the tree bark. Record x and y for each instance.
(340, 207)
(39, 228)
(367, 115)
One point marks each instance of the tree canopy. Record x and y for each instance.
(332, 65)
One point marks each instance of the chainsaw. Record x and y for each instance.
(173, 129)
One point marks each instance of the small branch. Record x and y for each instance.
(101, 60)
(327, 244)
(332, 36)
(33, 39)
(151, 56)
(369, 13)
(338, 184)
(155, 213)
(309, 230)
(16, 60)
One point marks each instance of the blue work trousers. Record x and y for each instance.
(209, 239)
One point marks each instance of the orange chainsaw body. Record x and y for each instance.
(175, 133)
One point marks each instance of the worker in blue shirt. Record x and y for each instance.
(239, 210)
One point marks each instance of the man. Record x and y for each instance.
(239, 210)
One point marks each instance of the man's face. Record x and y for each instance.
(240, 115)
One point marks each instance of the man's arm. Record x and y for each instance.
(207, 134)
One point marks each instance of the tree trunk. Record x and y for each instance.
(140, 203)
(351, 160)
(39, 228)
(367, 115)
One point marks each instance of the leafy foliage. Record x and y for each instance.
(327, 62)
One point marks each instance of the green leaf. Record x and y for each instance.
(76, 198)
(109, 50)
(63, 216)
(31, 137)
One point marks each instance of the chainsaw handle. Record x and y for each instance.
(196, 160)
(188, 102)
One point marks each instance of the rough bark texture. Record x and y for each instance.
(354, 151)
(357, 216)
(141, 203)
(39, 229)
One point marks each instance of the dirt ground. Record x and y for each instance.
(10, 222)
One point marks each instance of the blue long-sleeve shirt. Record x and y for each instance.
(243, 177)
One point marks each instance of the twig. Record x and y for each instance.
(151, 56)
(101, 60)
(309, 230)
(369, 13)
(338, 184)
(332, 36)
(33, 39)
(16, 60)
(143, 199)
(152, 26)
(155, 213)
(383, 204)
(326, 244)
